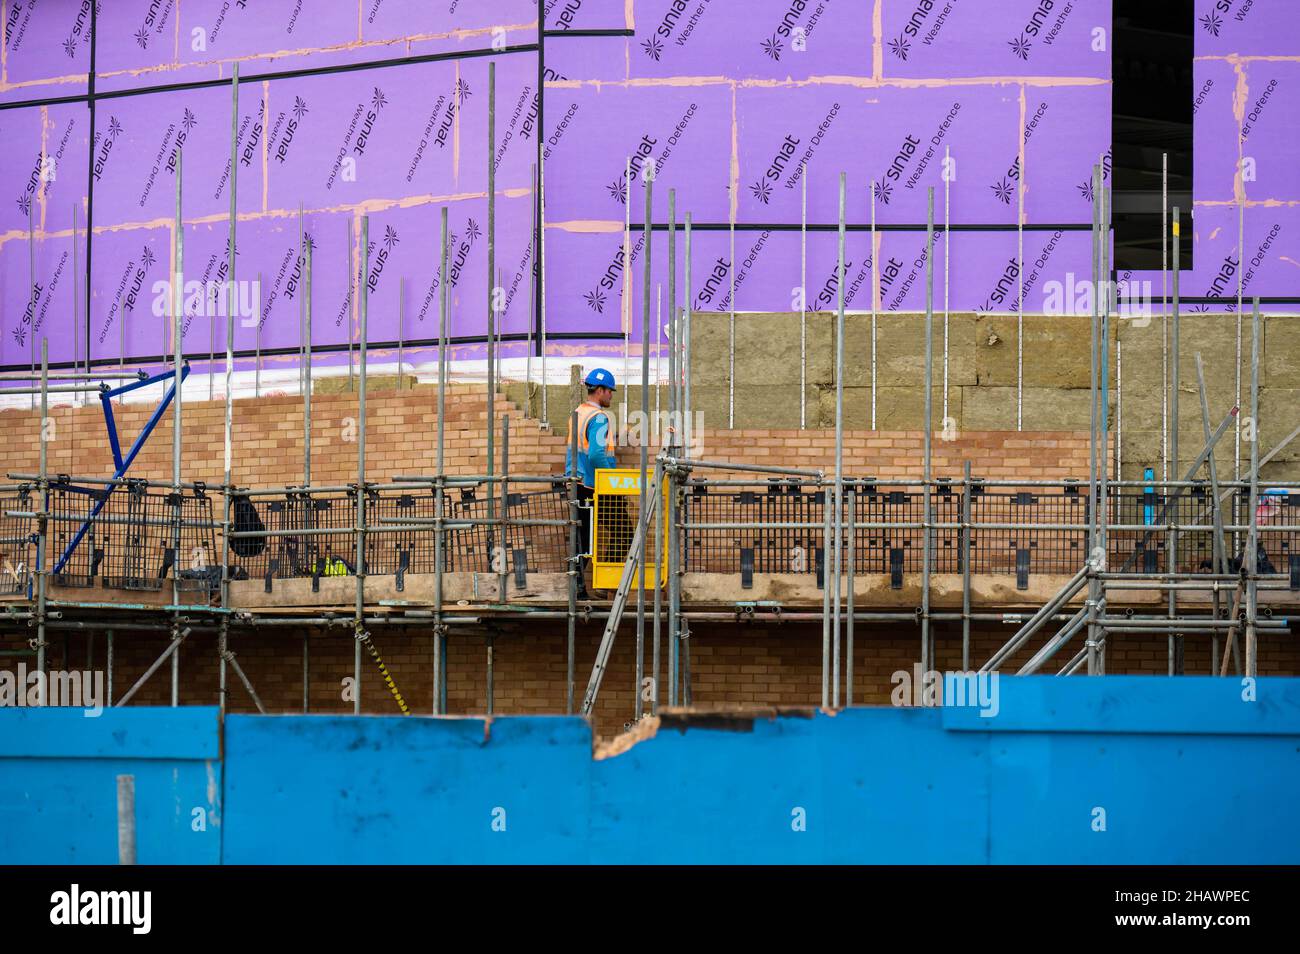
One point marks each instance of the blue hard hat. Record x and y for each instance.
(599, 378)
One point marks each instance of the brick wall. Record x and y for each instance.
(731, 666)
(401, 432)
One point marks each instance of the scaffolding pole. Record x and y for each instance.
(227, 435)
(642, 490)
(177, 335)
(359, 632)
(837, 539)
(927, 636)
(1252, 541)
(439, 626)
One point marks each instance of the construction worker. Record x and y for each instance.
(594, 451)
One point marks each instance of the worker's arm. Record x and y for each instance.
(599, 453)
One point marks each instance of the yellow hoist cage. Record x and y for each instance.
(616, 508)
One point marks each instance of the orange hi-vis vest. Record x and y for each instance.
(585, 411)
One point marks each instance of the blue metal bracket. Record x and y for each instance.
(122, 464)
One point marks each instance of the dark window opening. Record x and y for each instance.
(1152, 50)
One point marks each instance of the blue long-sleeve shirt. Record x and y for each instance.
(598, 453)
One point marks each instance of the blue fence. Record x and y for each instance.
(1115, 770)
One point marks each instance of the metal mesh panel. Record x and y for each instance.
(393, 548)
(293, 556)
(616, 518)
(1147, 551)
(132, 542)
(69, 508)
(136, 533)
(17, 549)
(1033, 550)
(897, 548)
(1279, 537)
(787, 550)
(547, 548)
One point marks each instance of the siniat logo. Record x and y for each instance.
(773, 46)
(461, 93)
(291, 127)
(461, 255)
(79, 25)
(101, 160)
(596, 300)
(653, 48)
(902, 45)
(762, 189)
(1022, 45)
(250, 147)
(644, 150)
(884, 189)
(1085, 187)
(1003, 190)
(653, 45)
(33, 183)
(137, 281)
(188, 122)
(389, 242)
(1212, 22)
(151, 18)
(377, 102)
(1005, 285)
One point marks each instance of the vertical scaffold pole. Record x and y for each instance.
(440, 627)
(1252, 544)
(1172, 556)
(644, 491)
(178, 309)
(359, 632)
(835, 565)
(227, 434)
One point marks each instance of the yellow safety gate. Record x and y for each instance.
(616, 508)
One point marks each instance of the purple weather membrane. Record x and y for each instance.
(125, 269)
(1067, 131)
(597, 130)
(763, 39)
(1269, 130)
(1264, 261)
(397, 132)
(398, 19)
(564, 15)
(589, 58)
(1006, 38)
(47, 174)
(293, 132)
(135, 159)
(1215, 130)
(47, 49)
(1246, 27)
(785, 131)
